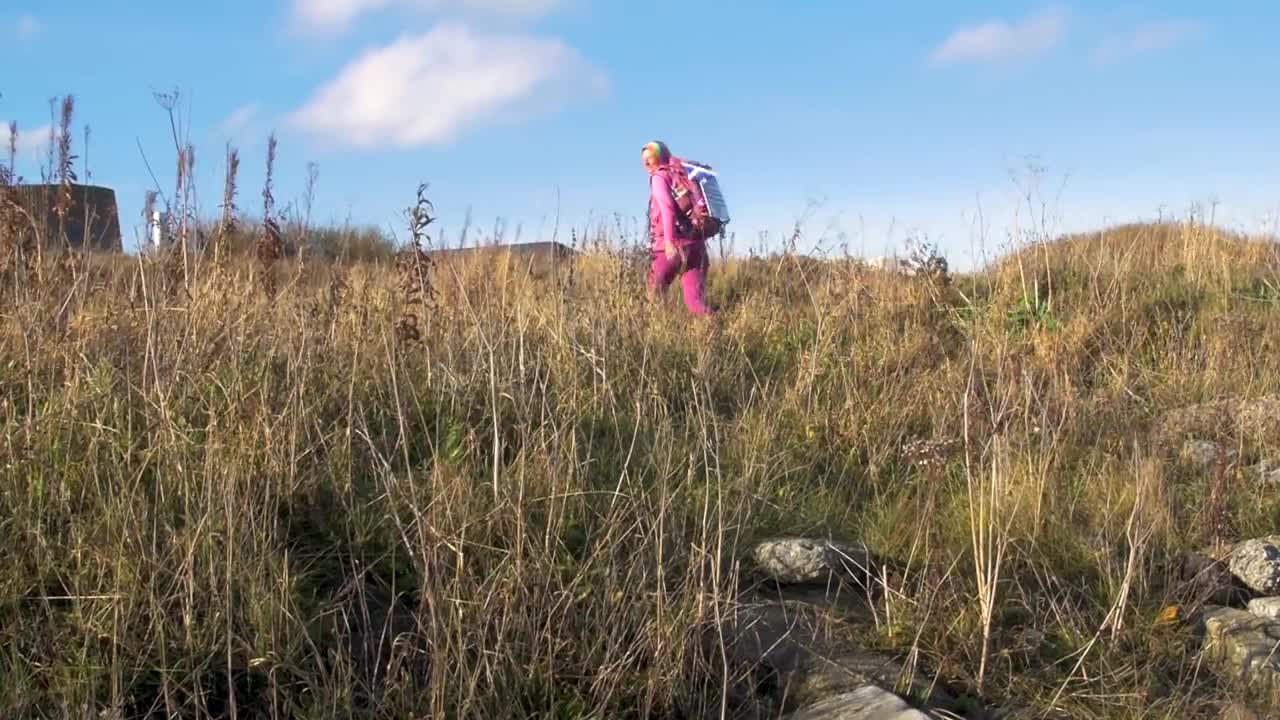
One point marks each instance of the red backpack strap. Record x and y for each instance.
(683, 219)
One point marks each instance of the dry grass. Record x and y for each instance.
(546, 489)
(262, 496)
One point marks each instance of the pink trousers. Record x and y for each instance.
(691, 266)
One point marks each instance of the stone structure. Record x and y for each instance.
(92, 219)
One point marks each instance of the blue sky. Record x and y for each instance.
(868, 120)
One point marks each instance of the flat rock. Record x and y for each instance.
(1257, 563)
(867, 702)
(827, 675)
(1267, 607)
(809, 561)
(1246, 643)
(802, 656)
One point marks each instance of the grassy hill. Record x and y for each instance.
(216, 491)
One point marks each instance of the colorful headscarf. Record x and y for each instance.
(660, 149)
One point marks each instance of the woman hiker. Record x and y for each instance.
(676, 251)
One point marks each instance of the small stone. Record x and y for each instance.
(1268, 607)
(1267, 472)
(1203, 453)
(1257, 563)
(865, 703)
(809, 561)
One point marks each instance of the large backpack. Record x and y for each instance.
(696, 189)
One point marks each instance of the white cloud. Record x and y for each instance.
(32, 150)
(239, 119)
(334, 14)
(28, 25)
(337, 14)
(997, 40)
(1156, 35)
(427, 89)
(29, 140)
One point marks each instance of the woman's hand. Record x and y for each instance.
(670, 249)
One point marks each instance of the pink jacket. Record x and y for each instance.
(662, 210)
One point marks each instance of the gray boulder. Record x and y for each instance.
(867, 702)
(1257, 563)
(814, 562)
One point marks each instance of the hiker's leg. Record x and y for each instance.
(662, 273)
(694, 280)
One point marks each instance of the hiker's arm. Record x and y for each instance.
(666, 207)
